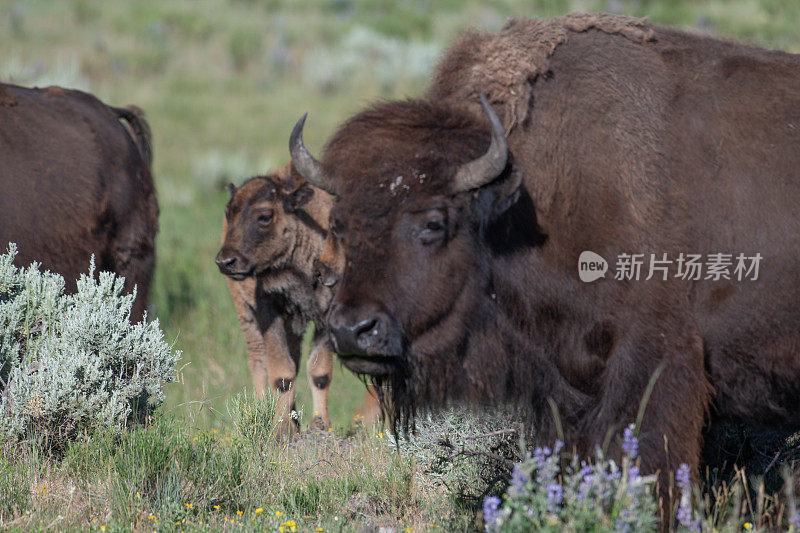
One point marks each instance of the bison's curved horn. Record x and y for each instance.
(487, 167)
(304, 162)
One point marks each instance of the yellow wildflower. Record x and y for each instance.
(260, 509)
(238, 513)
(278, 513)
(216, 507)
(189, 505)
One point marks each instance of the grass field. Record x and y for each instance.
(222, 83)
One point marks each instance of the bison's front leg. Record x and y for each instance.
(243, 295)
(282, 369)
(662, 371)
(319, 370)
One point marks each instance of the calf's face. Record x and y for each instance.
(259, 233)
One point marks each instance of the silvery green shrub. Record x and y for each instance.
(365, 52)
(73, 362)
(465, 450)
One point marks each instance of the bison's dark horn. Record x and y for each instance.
(487, 167)
(305, 163)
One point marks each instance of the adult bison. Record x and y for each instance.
(463, 232)
(75, 181)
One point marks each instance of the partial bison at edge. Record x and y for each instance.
(462, 232)
(75, 181)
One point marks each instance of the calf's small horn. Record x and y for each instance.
(305, 163)
(487, 167)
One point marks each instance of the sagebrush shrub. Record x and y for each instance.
(74, 362)
(469, 452)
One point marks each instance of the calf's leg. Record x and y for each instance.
(243, 295)
(319, 369)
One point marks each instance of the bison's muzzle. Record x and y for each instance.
(232, 264)
(368, 340)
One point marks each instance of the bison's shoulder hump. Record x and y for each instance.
(502, 64)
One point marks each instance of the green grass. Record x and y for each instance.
(167, 476)
(223, 82)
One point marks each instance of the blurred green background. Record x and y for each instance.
(222, 83)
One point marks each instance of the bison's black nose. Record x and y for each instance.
(363, 331)
(231, 264)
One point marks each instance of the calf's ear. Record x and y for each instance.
(297, 198)
(231, 188)
(492, 200)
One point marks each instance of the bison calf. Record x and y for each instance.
(75, 181)
(273, 233)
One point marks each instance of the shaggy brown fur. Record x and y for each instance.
(669, 143)
(280, 278)
(504, 65)
(75, 180)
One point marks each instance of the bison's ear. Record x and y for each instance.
(494, 199)
(297, 199)
(231, 189)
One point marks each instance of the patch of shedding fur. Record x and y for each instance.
(503, 65)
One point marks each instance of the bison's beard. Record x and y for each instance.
(396, 396)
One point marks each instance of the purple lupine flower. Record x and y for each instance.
(540, 455)
(583, 489)
(558, 446)
(683, 477)
(555, 493)
(684, 516)
(587, 477)
(630, 444)
(795, 520)
(633, 473)
(518, 478)
(491, 509)
(621, 523)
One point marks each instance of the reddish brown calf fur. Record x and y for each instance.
(75, 181)
(649, 140)
(281, 273)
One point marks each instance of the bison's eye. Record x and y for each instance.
(264, 219)
(435, 225)
(433, 229)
